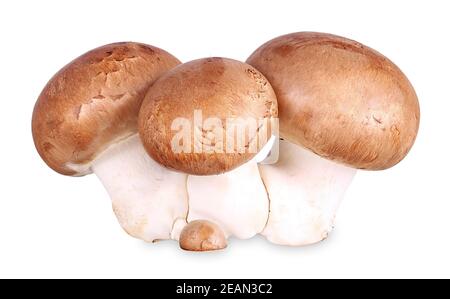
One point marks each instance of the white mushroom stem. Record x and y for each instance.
(305, 191)
(236, 200)
(148, 199)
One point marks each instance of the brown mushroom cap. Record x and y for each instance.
(340, 99)
(94, 101)
(202, 235)
(220, 88)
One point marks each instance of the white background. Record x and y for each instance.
(393, 223)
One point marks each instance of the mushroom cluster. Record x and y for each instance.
(212, 148)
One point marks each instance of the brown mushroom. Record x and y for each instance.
(342, 106)
(223, 185)
(85, 120)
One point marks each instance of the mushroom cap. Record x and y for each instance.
(220, 89)
(202, 235)
(340, 99)
(93, 102)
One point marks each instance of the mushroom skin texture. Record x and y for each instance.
(94, 101)
(219, 89)
(202, 235)
(344, 106)
(85, 120)
(340, 99)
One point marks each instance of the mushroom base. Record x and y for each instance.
(291, 202)
(305, 191)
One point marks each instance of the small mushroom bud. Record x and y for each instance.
(202, 235)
